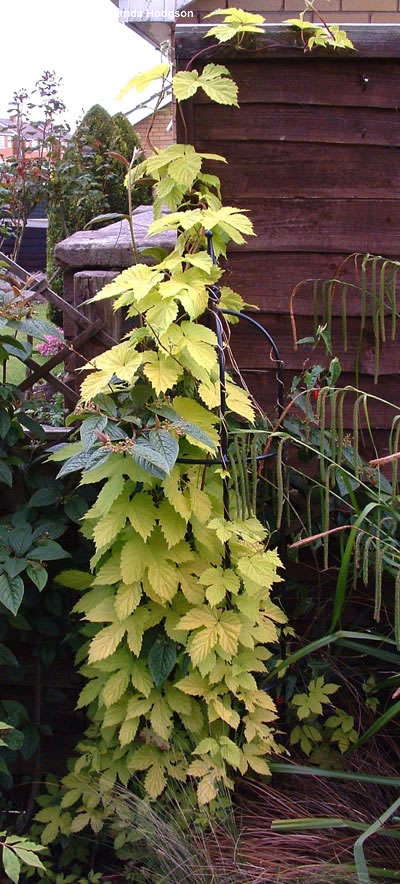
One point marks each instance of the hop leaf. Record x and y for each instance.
(142, 514)
(239, 401)
(321, 36)
(106, 642)
(173, 526)
(312, 702)
(155, 781)
(140, 82)
(219, 581)
(236, 22)
(231, 221)
(162, 371)
(206, 790)
(218, 86)
(161, 718)
(115, 365)
(215, 81)
(185, 84)
(115, 687)
(185, 169)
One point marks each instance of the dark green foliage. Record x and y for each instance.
(88, 181)
(96, 128)
(39, 532)
(124, 141)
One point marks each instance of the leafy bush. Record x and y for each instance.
(17, 852)
(89, 180)
(36, 513)
(24, 177)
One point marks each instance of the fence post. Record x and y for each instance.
(92, 258)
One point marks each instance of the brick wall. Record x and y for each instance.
(161, 134)
(356, 11)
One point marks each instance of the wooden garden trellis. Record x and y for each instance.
(37, 285)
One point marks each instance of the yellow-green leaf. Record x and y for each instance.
(164, 578)
(197, 618)
(115, 687)
(206, 790)
(209, 391)
(185, 84)
(161, 718)
(193, 684)
(127, 599)
(224, 710)
(142, 513)
(259, 765)
(219, 581)
(162, 315)
(200, 503)
(133, 559)
(141, 678)
(138, 706)
(239, 401)
(108, 527)
(184, 169)
(128, 731)
(172, 525)
(229, 627)
(174, 494)
(214, 80)
(140, 82)
(110, 572)
(218, 85)
(155, 781)
(106, 642)
(162, 371)
(89, 693)
(135, 626)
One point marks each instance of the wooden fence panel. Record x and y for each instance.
(313, 154)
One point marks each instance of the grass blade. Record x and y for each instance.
(343, 576)
(378, 724)
(302, 824)
(359, 856)
(386, 656)
(315, 822)
(303, 770)
(324, 642)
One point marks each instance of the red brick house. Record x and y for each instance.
(162, 130)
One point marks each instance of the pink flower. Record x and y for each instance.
(51, 345)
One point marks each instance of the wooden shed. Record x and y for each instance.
(314, 155)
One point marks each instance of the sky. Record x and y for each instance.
(83, 41)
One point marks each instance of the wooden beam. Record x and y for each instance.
(39, 286)
(282, 41)
(55, 382)
(43, 370)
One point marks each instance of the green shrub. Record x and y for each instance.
(87, 181)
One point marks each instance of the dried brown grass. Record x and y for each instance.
(321, 855)
(242, 849)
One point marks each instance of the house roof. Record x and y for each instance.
(29, 132)
(140, 113)
(151, 19)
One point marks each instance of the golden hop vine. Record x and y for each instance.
(175, 635)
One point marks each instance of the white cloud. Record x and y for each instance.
(82, 40)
